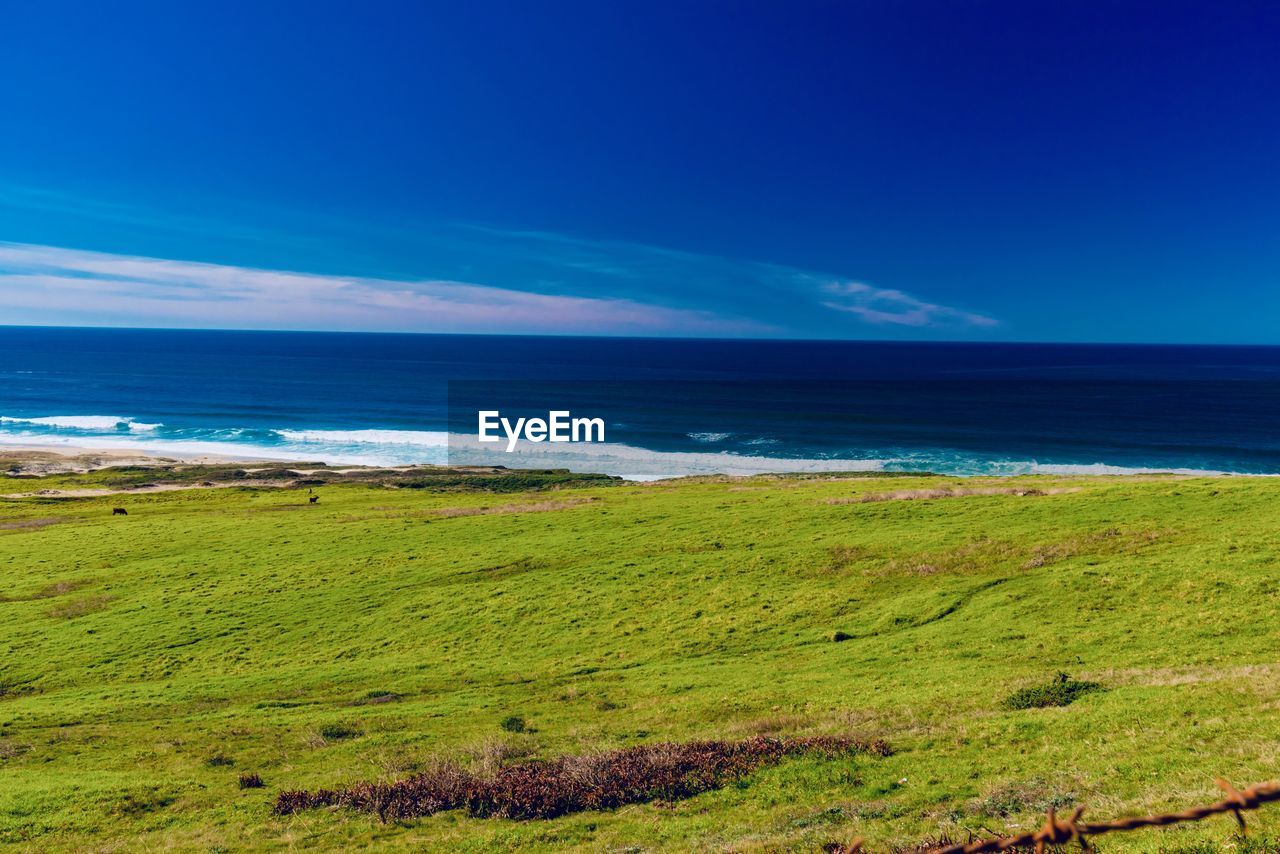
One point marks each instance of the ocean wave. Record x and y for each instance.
(708, 437)
(84, 422)
(387, 447)
(181, 448)
(635, 463)
(406, 447)
(420, 438)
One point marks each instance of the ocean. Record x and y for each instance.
(671, 406)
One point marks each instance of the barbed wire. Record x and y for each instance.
(1057, 831)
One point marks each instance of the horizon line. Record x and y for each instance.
(625, 337)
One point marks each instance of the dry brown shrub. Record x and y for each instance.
(925, 569)
(569, 784)
(778, 722)
(490, 754)
(391, 762)
(12, 749)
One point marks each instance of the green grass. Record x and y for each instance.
(149, 661)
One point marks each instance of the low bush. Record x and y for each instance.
(377, 697)
(339, 731)
(569, 784)
(1062, 691)
(514, 723)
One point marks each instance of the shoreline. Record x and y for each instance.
(35, 460)
(389, 449)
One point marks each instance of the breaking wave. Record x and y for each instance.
(84, 422)
(388, 447)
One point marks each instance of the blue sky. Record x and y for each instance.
(1057, 171)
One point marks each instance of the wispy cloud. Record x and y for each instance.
(47, 284)
(759, 289)
(885, 305)
(443, 278)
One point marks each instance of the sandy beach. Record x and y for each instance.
(56, 459)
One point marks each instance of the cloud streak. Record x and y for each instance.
(885, 305)
(759, 289)
(47, 284)
(494, 281)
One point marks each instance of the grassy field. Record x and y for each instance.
(149, 660)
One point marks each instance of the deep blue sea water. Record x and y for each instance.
(671, 406)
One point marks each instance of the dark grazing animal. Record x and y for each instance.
(314, 499)
(119, 511)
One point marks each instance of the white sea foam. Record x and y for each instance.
(403, 447)
(1103, 468)
(419, 438)
(188, 448)
(708, 437)
(83, 422)
(641, 463)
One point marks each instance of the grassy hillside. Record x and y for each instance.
(148, 660)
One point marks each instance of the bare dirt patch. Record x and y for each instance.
(987, 552)
(1109, 541)
(946, 492)
(530, 507)
(81, 607)
(27, 524)
(49, 591)
(842, 557)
